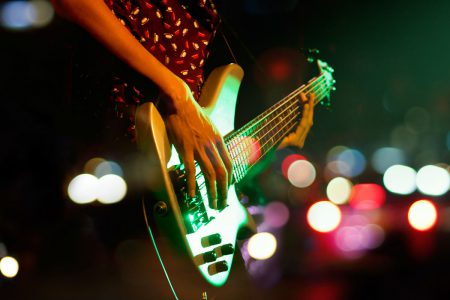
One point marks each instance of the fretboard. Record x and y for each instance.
(253, 141)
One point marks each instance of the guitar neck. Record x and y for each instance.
(253, 141)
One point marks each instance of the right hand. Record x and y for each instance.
(196, 138)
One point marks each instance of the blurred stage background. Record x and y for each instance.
(341, 209)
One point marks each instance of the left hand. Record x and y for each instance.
(298, 137)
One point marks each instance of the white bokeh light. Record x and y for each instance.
(339, 190)
(111, 189)
(262, 245)
(83, 188)
(422, 215)
(433, 180)
(324, 216)
(400, 179)
(9, 266)
(301, 173)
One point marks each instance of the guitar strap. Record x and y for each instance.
(225, 39)
(224, 23)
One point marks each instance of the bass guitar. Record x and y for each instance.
(208, 235)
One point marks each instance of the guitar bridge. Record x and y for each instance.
(193, 209)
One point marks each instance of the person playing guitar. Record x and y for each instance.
(166, 41)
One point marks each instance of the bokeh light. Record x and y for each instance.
(262, 245)
(399, 179)
(91, 165)
(367, 196)
(345, 161)
(339, 190)
(21, 15)
(433, 180)
(301, 173)
(334, 152)
(83, 188)
(386, 157)
(15, 14)
(287, 161)
(9, 266)
(111, 189)
(108, 167)
(276, 214)
(247, 147)
(359, 237)
(42, 13)
(422, 215)
(324, 216)
(355, 161)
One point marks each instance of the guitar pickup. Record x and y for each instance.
(218, 267)
(211, 240)
(226, 249)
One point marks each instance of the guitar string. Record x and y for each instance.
(271, 110)
(322, 92)
(202, 185)
(294, 93)
(236, 146)
(253, 134)
(264, 152)
(308, 88)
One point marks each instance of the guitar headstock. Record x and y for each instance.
(327, 73)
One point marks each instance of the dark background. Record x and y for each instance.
(389, 56)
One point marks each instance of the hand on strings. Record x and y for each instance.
(196, 138)
(298, 137)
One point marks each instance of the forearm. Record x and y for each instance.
(95, 17)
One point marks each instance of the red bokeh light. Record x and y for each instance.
(280, 70)
(288, 160)
(367, 196)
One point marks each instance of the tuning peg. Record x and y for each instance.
(310, 53)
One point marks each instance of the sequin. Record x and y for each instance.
(135, 11)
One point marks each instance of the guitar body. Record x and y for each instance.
(209, 244)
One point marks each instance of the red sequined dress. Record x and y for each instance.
(177, 33)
